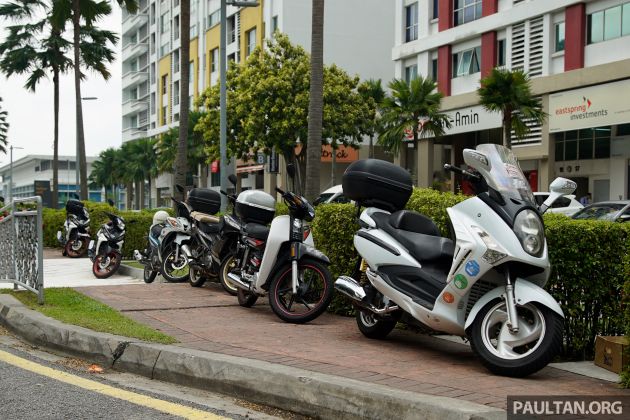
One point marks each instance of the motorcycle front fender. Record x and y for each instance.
(524, 292)
(306, 250)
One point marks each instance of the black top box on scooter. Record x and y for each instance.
(204, 200)
(377, 183)
(75, 207)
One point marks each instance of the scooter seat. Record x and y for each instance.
(256, 231)
(210, 228)
(204, 218)
(422, 246)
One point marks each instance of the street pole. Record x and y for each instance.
(223, 94)
(11, 171)
(223, 106)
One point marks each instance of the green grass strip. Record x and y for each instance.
(134, 264)
(69, 306)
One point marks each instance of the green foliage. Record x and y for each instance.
(412, 108)
(72, 307)
(166, 147)
(268, 104)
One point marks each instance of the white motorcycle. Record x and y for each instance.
(77, 230)
(487, 285)
(106, 251)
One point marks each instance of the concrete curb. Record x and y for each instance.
(134, 272)
(310, 393)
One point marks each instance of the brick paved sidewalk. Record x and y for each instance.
(209, 319)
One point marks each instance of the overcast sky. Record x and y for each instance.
(31, 114)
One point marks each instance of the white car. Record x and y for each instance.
(566, 205)
(332, 195)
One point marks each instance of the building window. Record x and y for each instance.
(193, 31)
(176, 27)
(411, 72)
(559, 37)
(274, 24)
(231, 29)
(176, 61)
(436, 9)
(465, 11)
(466, 62)
(164, 84)
(411, 22)
(164, 110)
(164, 23)
(610, 23)
(434, 69)
(214, 60)
(231, 57)
(164, 50)
(251, 41)
(585, 144)
(152, 13)
(501, 53)
(213, 19)
(176, 93)
(623, 130)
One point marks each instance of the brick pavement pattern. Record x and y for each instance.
(209, 319)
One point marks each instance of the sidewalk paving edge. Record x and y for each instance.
(305, 392)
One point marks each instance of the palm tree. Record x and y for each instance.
(181, 161)
(373, 90)
(122, 175)
(4, 128)
(83, 14)
(24, 51)
(414, 109)
(142, 165)
(509, 93)
(103, 171)
(167, 146)
(315, 102)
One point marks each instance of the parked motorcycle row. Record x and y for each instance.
(485, 284)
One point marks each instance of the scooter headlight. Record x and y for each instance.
(529, 230)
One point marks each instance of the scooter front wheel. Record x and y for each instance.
(314, 292)
(149, 274)
(228, 264)
(105, 266)
(538, 340)
(196, 277)
(175, 269)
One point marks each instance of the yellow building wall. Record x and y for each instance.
(194, 58)
(164, 69)
(251, 17)
(213, 40)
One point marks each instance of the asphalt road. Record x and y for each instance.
(39, 385)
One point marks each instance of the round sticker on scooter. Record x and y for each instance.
(460, 281)
(472, 268)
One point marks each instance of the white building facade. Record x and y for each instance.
(577, 56)
(358, 38)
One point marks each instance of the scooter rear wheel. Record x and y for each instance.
(519, 354)
(246, 299)
(196, 277)
(76, 248)
(149, 275)
(373, 326)
(228, 264)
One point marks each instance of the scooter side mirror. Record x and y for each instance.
(179, 188)
(477, 160)
(232, 179)
(558, 188)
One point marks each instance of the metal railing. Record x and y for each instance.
(22, 245)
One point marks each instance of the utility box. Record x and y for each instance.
(610, 352)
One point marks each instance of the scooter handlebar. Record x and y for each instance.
(462, 172)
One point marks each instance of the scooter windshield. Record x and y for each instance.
(504, 174)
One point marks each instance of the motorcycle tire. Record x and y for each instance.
(374, 326)
(524, 359)
(70, 251)
(110, 269)
(246, 299)
(225, 268)
(149, 275)
(280, 288)
(167, 266)
(196, 278)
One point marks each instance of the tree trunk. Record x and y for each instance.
(371, 147)
(181, 161)
(129, 195)
(316, 102)
(142, 194)
(55, 192)
(76, 23)
(507, 128)
(150, 204)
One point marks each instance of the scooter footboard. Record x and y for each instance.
(524, 292)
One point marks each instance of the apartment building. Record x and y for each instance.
(577, 55)
(358, 38)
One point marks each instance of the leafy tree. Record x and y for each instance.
(411, 108)
(373, 90)
(83, 14)
(166, 147)
(508, 92)
(268, 99)
(181, 160)
(4, 128)
(316, 101)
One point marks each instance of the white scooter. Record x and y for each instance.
(487, 286)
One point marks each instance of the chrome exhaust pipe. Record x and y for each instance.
(238, 282)
(350, 287)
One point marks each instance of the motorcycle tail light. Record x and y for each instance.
(307, 231)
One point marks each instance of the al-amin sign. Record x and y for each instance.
(589, 107)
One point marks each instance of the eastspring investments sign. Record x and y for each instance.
(594, 106)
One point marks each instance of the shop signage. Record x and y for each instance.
(344, 154)
(474, 118)
(593, 106)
